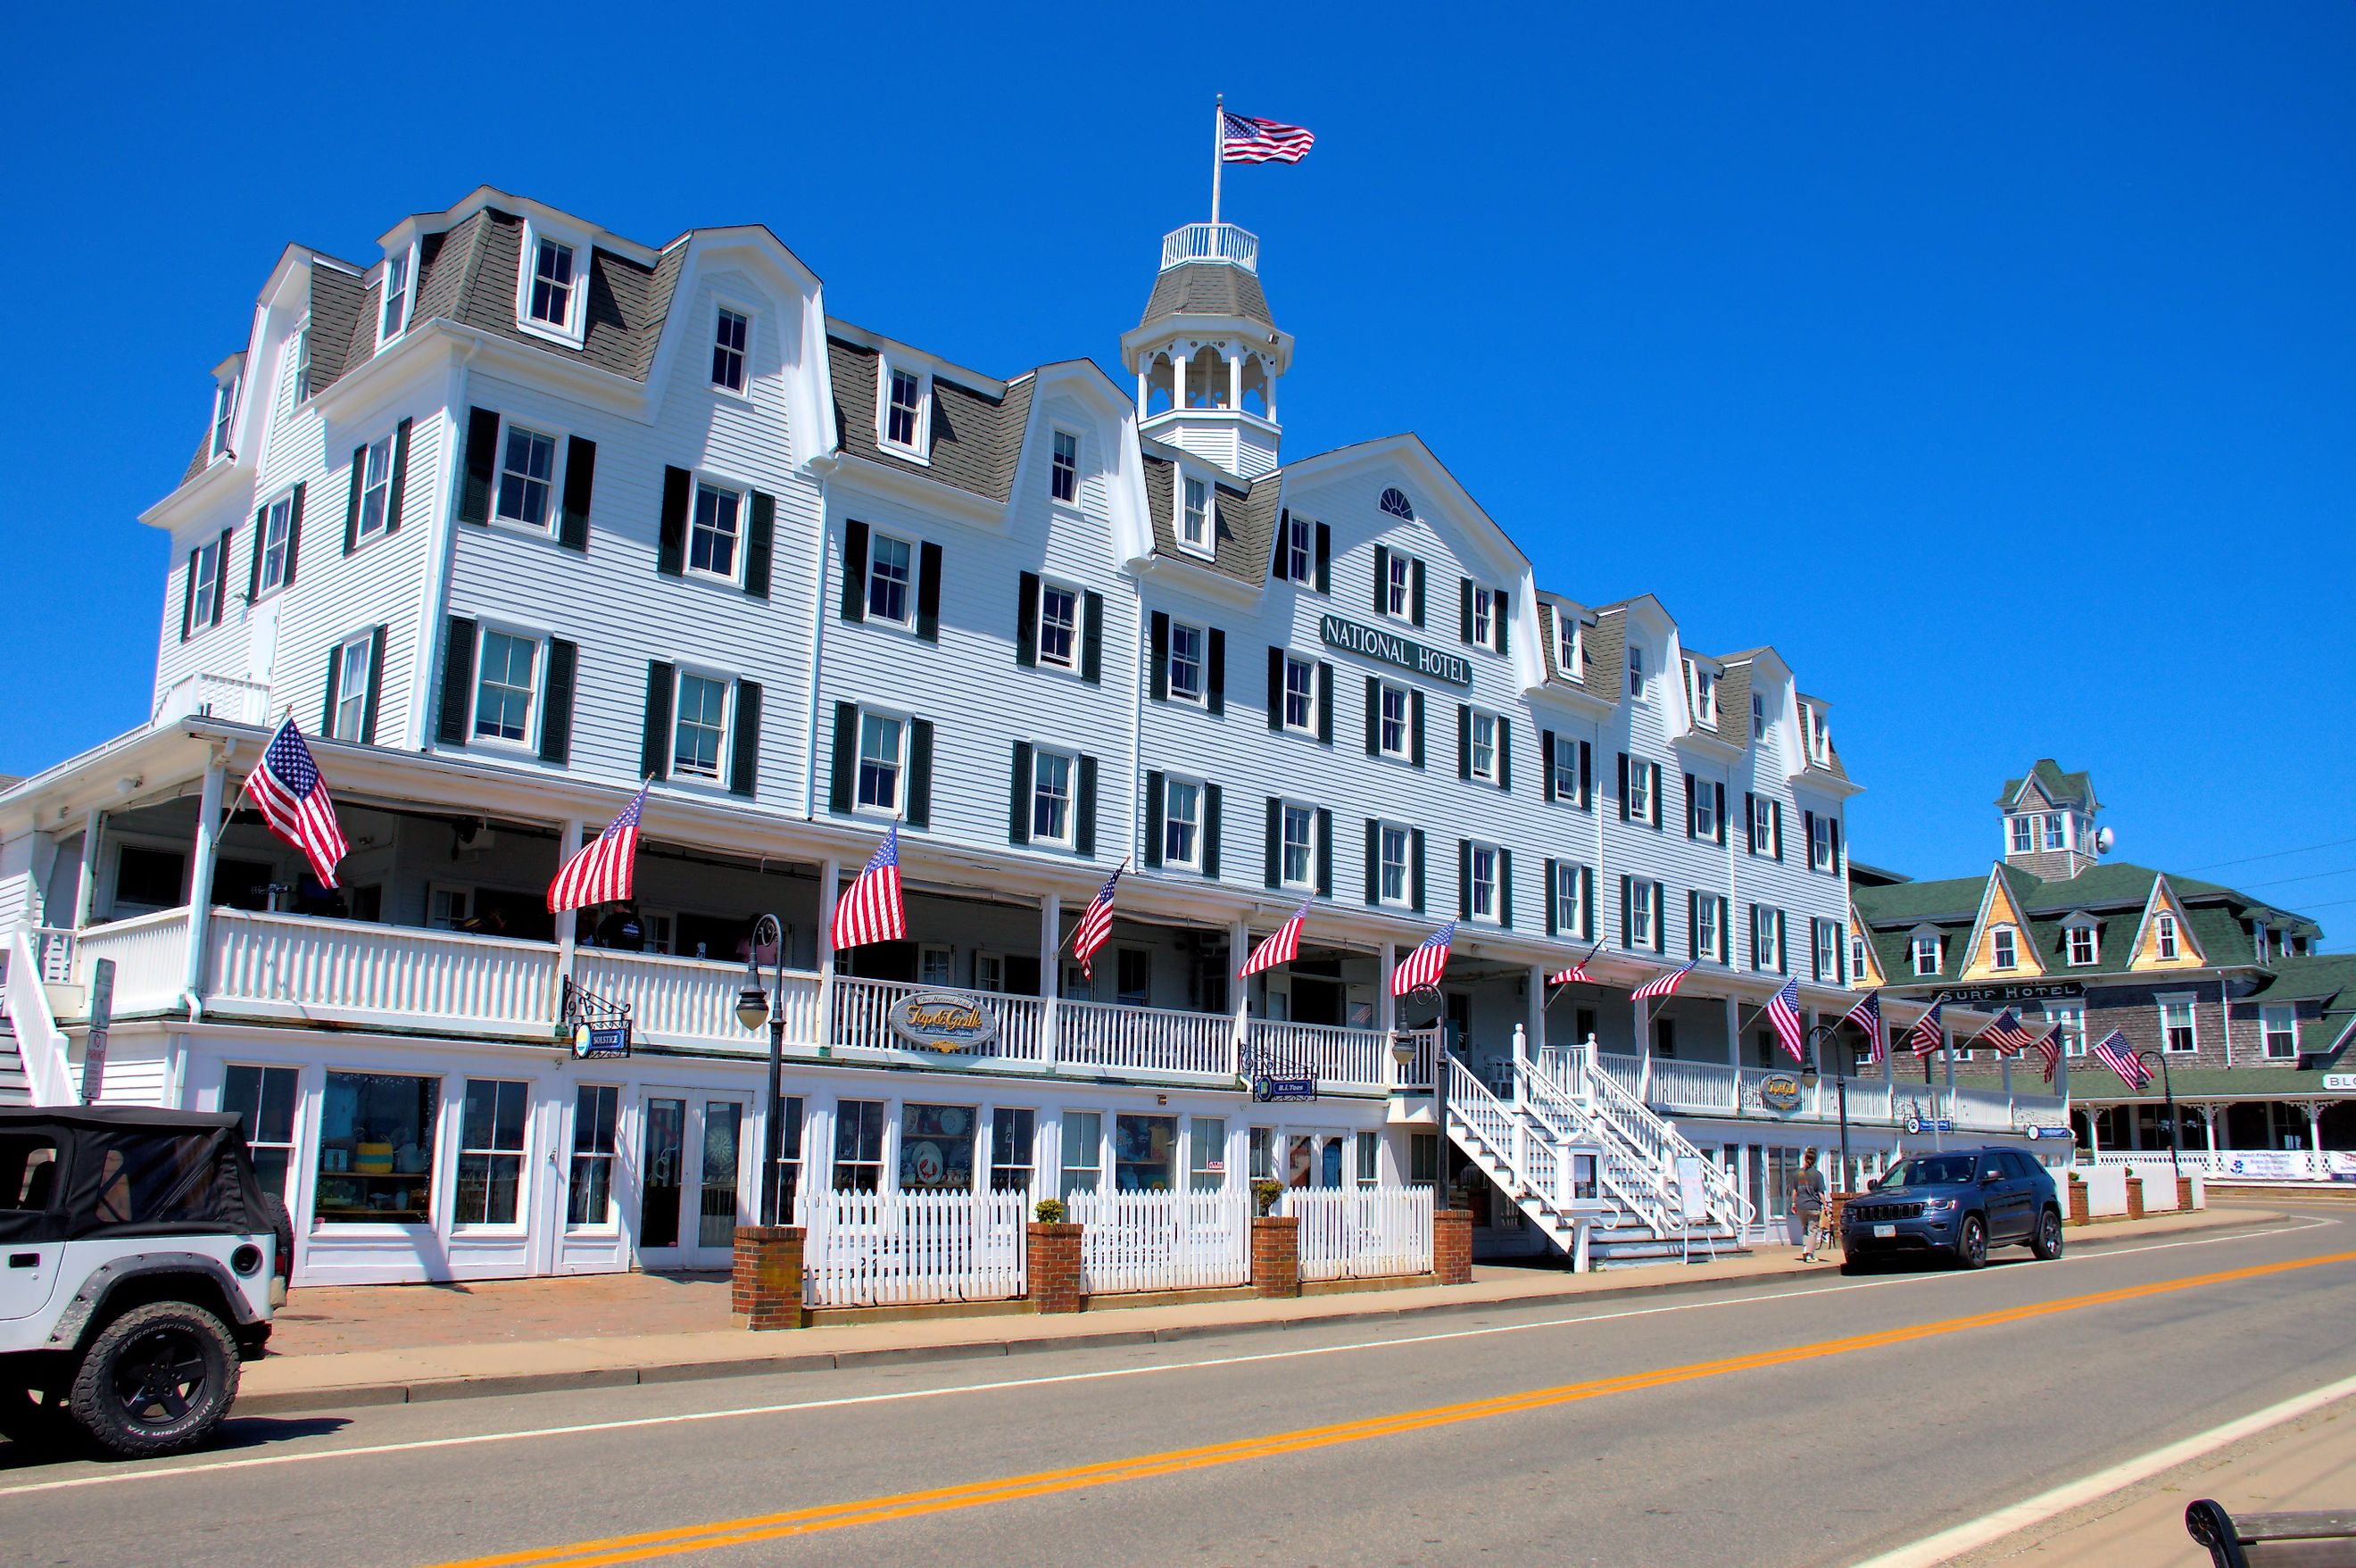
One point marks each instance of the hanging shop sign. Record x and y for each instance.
(942, 1021)
(1780, 1092)
(1374, 642)
(2015, 990)
(2041, 1131)
(593, 1042)
(1268, 1090)
(2340, 1083)
(1916, 1122)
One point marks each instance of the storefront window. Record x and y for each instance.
(1145, 1150)
(589, 1196)
(490, 1151)
(1012, 1149)
(1263, 1154)
(1370, 1157)
(376, 1149)
(1300, 1161)
(1083, 1152)
(1783, 1167)
(264, 1097)
(789, 1157)
(1422, 1159)
(1208, 1159)
(937, 1148)
(858, 1145)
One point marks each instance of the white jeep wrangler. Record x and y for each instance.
(136, 1260)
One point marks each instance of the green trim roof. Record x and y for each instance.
(2059, 786)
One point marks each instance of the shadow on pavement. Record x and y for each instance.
(236, 1434)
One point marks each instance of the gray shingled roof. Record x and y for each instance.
(471, 279)
(1577, 677)
(336, 315)
(976, 438)
(1208, 288)
(1243, 532)
(2059, 786)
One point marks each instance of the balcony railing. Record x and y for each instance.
(862, 1019)
(1211, 243)
(1144, 1039)
(213, 696)
(1716, 1088)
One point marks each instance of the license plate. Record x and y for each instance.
(1885, 1230)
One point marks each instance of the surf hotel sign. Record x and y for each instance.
(1373, 642)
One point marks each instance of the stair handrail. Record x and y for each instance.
(1631, 1181)
(1663, 1146)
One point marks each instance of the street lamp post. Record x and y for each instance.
(2167, 1090)
(755, 1007)
(1841, 1086)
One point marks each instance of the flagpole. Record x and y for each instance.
(1218, 148)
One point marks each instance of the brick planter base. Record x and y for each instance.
(2184, 1194)
(2078, 1213)
(765, 1284)
(2135, 1198)
(1276, 1255)
(1451, 1246)
(1054, 1266)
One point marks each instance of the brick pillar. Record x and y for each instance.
(2135, 1196)
(1834, 1205)
(1054, 1266)
(1451, 1246)
(2184, 1193)
(765, 1286)
(2078, 1215)
(1276, 1255)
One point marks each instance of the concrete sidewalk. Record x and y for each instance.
(342, 1346)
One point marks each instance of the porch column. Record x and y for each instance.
(2209, 1131)
(2226, 1143)
(1387, 1005)
(829, 889)
(1177, 380)
(93, 823)
(1239, 948)
(568, 922)
(2093, 1128)
(1645, 1051)
(1051, 952)
(200, 870)
(2316, 1163)
(1234, 381)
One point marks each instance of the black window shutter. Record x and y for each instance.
(1415, 712)
(1382, 580)
(846, 756)
(1466, 630)
(294, 537)
(1627, 927)
(1464, 879)
(1505, 888)
(670, 542)
(1212, 801)
(1750, 822)
(399, 486)
(1374, 861)
(1374, 716)
(1092, 638)
(1275, 687)
(556, 704)
(1415, 591)
(1272, 844)
(1693, 925)
(1808, 827)
(1815, 950)
(1218, 682)
(1281, 560)
(654, 743)
(1546, 774)
(928, 592)
(1504, 628)
(1325, 559)
(1834, 828)
(458, 679)
(1161, 661)
(328, 708)
(1718, 792)
(760, 544)
(352, 499)
(1153, 818)
(1654, 794)
(481, 461)
(1782, 949)
(1586, 774)
(851, 604)
(1463, 741)
(1775, 812)
(745, 744)
(920, 773)
(376, 685)
(1689, 805)
(1018, 795)
(1585, 904)
(1325, 703)
(1414, 842)
(1504, 752)
(1624, 785)
(253, 567)
(1026, 621)
(1084, 834)
(579, 486)
(1324, 845)
(1660, 917)
(221, 573)
(1553, 905)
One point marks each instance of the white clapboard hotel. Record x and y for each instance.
(519, 512)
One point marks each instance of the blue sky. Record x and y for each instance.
(1998, 364)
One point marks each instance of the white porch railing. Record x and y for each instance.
(1362, 1233)
(887, 1249)
(1161, 1241)
(1341, 1058)
(293, 966)
(1696, 1085)
(1144, 1039)
(213, 696)
(692, 1002)
(150, 954)
(862, 1013)
(1211, 243)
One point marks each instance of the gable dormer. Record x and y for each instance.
(1864, 961)
(2001, 946)
(2164, 938)
(228, 395)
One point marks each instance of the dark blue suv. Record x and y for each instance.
(1960, 1204)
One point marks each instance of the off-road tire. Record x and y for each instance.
(155, 1380)
(2045, 1241)
(1971, 1243)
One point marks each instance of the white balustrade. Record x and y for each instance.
(863, 1015)
(1211, 243)
(150, 954)
(1161, 1241)
(1981, 1108)
(1340, 1058)
(692, 1002)
(213, 696)
(1694, 1086)
(297, 967)
(1144, 1039)
(890, 1249)
(1363, 1232)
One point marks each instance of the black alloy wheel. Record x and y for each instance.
(156, 1380)
(2047, 1243)
(1971, 1247)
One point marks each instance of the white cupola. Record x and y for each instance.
(1207, 355)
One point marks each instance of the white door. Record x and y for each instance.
(695, 1177)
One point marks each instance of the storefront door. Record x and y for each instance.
(696, 1180)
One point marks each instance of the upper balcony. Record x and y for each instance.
(1211, 243)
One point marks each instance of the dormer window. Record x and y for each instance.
(1758, 716)
(2164, 935)
(1705, 697)
(303, 363)
(396, 298)
(1925, 953)
(1194, 520)
(2079, 944)
(904, 411)
(729, 331)
(2259, 930)
(2005, 948)
(1636, 671)
(1819, 738)
(552, 284)
(1566, 644)
(1064, 468)
(224, 415)
(2024, 834)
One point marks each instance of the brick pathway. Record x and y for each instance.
(323, 1319)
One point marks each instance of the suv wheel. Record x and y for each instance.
(1971, 1247)
(2047, 1242)
(156, 1380)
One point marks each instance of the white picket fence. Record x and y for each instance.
(890, 1249)
(1163, 1241)
(1362, 1232)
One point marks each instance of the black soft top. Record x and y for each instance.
(74, 1172)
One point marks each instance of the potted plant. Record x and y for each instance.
(1050, 1211)
(1265, 1193)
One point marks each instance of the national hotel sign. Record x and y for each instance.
(1373, 642)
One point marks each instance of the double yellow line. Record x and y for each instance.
(977, 1494)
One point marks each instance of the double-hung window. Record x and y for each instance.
(1857, 956)
(1051, 796)
(2281, 1029)
(224, 415)
(1483, 882)
(1706, 796)
(1820, 844)
(700, 730)
(1185, 662)
(1299, 845)
(1828, 945)
(527, 470)
(1059, 626)
(1394, 846)
(904, 409)
(1705, 689)
(396, 297)
(1299, 551)
(504, 686)
(1758, 716)
(1483, 747)
(712, 537)
(1640, 790)
(1399, 587)
(2164, 935)
(883, 762)
(1641, 912)
(2177, 1028)
(1300, 695)
(891, 574)
(2005, 948)
(277, 528)
(1762, 826)
(589, 1195)
(551, 301)
(1710, 927)
(376, 487)
(1571, 913)
(265, 1098)
(1636, 671)
(1484, 616)
(730, 329)
(1394, 721)
(1925, 953)
(303, 364)
(858, 1145)
(2073, 1022)
(1083, 1152)
(1182, 823)
(1566, 644)
(1562, 759)
(1064, 468)
(1194, 520)
(352, 670)
(2023, 834)
(1766, 937)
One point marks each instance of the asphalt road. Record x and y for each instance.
(1816, 1423)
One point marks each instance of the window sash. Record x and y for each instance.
(1635, 671)
(1828, 951)
(1185, 661)
(1394, 848)
(881, 738)
(1051, 796)
(1704, 808)
(491, 1151)
(1300, 695)
(396, 295)
(1299, 847)
(1639, 913)
(1640, 790)
(1565, 762)
(890, 574)
(1484, 614)
(2165, 929)
(1392, 740)
(1484, 746)
(1820, 844)
(1064, 471)
(2005, 949)
(376, 486)
(503, 689)
(351, 688)
(1570, 906)
(527, 470)
(728, 335)
(2279, 1025)
(711, 540)
(1706, 698)
(1398, 587)
(1298, 557)
(1083, 1151)
(1926, 955)
(701, 728)
(1485, 883)
(1706, 927)
(1195, 528)
(1059, 626)
(277, 525)
(552, 283)
(589, 1195)
(1182, 805)
(2177, 1020)
(906, 402)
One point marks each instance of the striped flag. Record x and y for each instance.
(1421, 970)
(869, 909)
(2122, 1059)
(293, 800)
(602, 870)
(1662, 984)
(1280, 947)
(2049, 1047)
(1784, 1013)
(1243, 140)
(1096, 922)
(1867, 1015)
(1577, 974)
(2005, 1034)
(1926, 1035)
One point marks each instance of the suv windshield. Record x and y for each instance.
(1931, 1170)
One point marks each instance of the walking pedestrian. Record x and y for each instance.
(1807, 1204)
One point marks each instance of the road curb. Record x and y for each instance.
(314, 1402)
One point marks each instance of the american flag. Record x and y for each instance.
(1867, 1015)
(869, 909)
(602, 870)
(1421, 970)
(1662, 984)
(1243, 140)
(1096, 922)
(2114, 1051)
(1784, 1013)
(2049, 1047)
(1577, 974)
(1281, 947)
(293, 800)
(2005, 1034)
(1925, 1036)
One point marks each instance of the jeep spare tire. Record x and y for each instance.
(155, 1380)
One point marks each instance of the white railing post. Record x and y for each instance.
(829, 889)
(200, 874)
(1051, 964)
